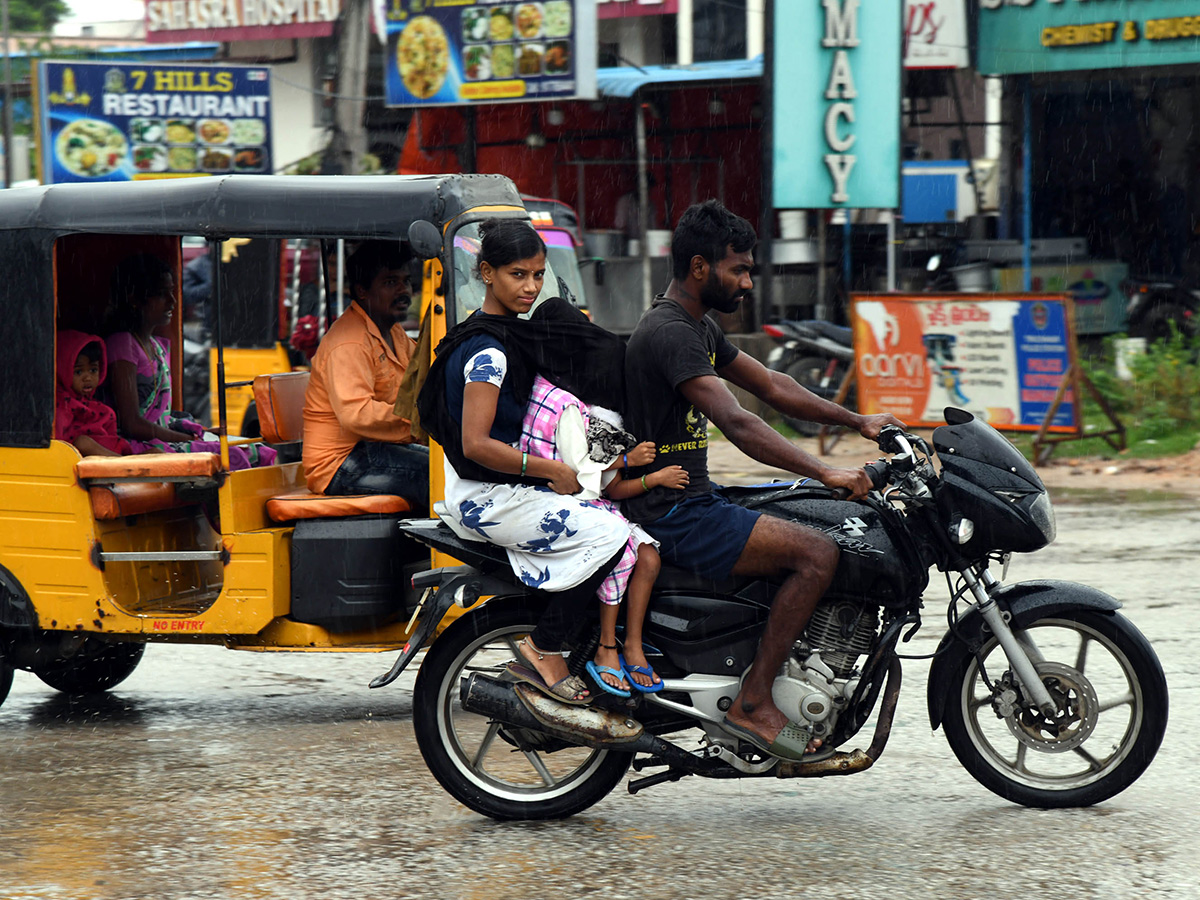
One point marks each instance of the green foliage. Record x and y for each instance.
(1159, 406)
(35, 15)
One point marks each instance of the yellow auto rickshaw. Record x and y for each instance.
(102, 555)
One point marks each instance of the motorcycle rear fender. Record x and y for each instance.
(1026, 602)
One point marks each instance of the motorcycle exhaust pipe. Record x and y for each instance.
(856, 760)
(525, 707)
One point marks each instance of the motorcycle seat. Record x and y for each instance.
(840, 333)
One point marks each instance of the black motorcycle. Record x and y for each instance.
(1047, 695)
(815, 353)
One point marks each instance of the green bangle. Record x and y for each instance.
(524, 463)
(644, 488)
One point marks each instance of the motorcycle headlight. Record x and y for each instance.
(1042, 513)
(962, 530)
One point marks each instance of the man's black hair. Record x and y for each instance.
(373, 257)
(707, 230)
(134, 279)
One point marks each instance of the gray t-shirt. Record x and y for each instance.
(667, 348)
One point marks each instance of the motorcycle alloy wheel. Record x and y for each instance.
(499, 771)
(1111, 696)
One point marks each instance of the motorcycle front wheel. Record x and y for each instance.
(499, 771)
(1111, 696)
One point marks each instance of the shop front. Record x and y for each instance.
(1106, 103)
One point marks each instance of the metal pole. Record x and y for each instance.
(8, 92)
(1027, 186)
(643, 198)
(766, 227)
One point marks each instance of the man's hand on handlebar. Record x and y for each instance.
(872, 425)
(854, 482)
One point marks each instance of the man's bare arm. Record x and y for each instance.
(785, 394)
(757, 439)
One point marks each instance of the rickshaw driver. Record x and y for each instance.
(353, 441)
(672, 364)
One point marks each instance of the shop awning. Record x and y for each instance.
(625, 81)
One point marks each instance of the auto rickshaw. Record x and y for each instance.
(101, 555)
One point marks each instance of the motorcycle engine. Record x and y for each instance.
(818, 680)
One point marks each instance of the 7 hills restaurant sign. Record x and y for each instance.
(836, 139)
(1029, 36)
(239, 20)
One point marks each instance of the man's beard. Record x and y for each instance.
(713, 296)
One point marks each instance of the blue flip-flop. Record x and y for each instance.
(597, 671)
(630, 671)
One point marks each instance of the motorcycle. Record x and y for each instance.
(1046, 694)
(817, 354)
(1153, 305)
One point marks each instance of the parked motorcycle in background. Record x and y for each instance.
(816, 354)
(1153, 304)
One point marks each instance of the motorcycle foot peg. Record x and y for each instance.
(651, 780)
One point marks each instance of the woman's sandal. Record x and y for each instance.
(571, 690)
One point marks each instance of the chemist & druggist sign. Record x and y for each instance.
(1001, 357)
(130, 121)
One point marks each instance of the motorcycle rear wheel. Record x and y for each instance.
(809, 371)
(478, 761)
(1112, 698)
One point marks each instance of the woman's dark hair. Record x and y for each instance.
(133, 280)
(372, 257)
(503, 241)
(706, 230)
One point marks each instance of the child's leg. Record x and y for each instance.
(606, 653)
(637, 600)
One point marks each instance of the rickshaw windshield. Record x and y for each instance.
(468, 288)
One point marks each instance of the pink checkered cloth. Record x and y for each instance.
(546, 406)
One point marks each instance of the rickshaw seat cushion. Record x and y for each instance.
(149, 466)
(307, 505)
(279, 399)
(113, 501)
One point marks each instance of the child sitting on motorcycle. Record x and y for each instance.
(143, 297)
(594, 443)
(79, 418)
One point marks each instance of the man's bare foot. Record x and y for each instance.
(610, 657)
(635, 657)
(767, 721)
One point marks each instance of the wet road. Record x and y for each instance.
(221, 774)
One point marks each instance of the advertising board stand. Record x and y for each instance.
(1010, 359)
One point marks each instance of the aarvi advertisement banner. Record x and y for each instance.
(1000, 357)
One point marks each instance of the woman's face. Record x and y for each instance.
(514, 286)
(159, 306)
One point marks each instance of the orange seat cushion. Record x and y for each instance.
(307, 505)
(113, 501)
(149, 466)
(279, 399)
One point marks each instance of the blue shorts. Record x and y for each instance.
(704, 535)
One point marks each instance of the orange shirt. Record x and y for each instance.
(353, 387)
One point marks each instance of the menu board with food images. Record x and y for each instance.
(102, 121)
(445, 52)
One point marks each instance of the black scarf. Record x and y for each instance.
(558, 342)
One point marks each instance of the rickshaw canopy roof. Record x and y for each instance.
(354, 207)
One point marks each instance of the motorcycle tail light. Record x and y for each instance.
(773, 331)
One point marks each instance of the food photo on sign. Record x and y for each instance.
(489, 52)
(130, 121)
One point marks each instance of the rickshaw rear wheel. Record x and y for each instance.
(98, 667)
(494, 769)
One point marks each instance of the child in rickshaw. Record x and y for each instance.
(143, 300)
(79, 418)
(594, 443)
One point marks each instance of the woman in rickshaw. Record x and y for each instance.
(143, 301)
(482, 378)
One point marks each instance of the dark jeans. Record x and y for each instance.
(375, 467)
(567, 609)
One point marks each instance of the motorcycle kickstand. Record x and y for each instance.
(652, 780)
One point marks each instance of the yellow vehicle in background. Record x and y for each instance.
(101, 555)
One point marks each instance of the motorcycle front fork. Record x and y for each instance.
(1021, 653)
